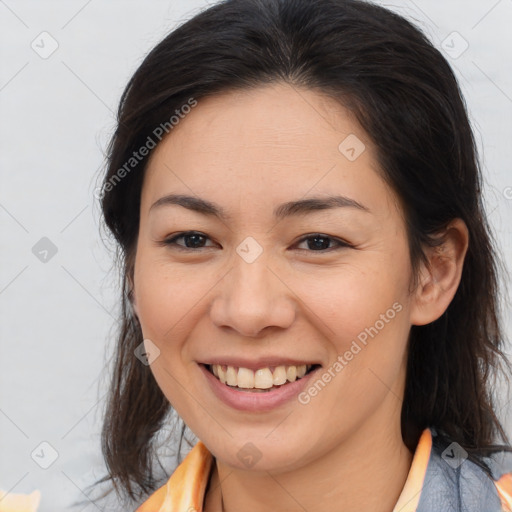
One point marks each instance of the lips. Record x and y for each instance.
(254, 399)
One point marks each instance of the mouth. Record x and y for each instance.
(261, 380)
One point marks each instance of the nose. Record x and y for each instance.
(253, 297)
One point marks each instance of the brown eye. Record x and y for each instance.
(321, 243)
(193, 240)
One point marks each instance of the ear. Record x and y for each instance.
(438, 284)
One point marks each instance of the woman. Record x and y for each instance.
(308, 274)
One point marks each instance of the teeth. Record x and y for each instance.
(231, 376)
(245, 378)
(221, 374)
(279, 375)
(262, 378)
(291, 373)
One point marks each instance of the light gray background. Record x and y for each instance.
(58, 317)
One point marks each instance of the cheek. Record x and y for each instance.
(167, 301)
(363, 314)
(166, 297)
(350, 301)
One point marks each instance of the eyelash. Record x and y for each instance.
(172, 242)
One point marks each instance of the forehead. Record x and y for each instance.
(272, 140)
(274, 114)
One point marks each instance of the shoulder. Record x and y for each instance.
(454, 483)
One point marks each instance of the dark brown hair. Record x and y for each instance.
(407, 99)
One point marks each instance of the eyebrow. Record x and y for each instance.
(288, 209)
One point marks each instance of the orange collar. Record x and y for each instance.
(185, 489)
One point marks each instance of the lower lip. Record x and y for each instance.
(256, 401)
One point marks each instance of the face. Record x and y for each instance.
(262, 283)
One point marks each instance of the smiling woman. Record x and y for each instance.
(307, 270)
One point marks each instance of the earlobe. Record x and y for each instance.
(439, 282)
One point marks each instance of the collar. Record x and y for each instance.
(185, 489)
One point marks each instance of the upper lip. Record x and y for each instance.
(255, 364)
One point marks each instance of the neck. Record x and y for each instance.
(367, 471)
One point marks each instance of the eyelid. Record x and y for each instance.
(170, 241)
(339, 243)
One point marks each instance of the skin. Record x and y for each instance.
(250, 151)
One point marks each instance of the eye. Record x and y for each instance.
(320, 243)
(193, 240)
